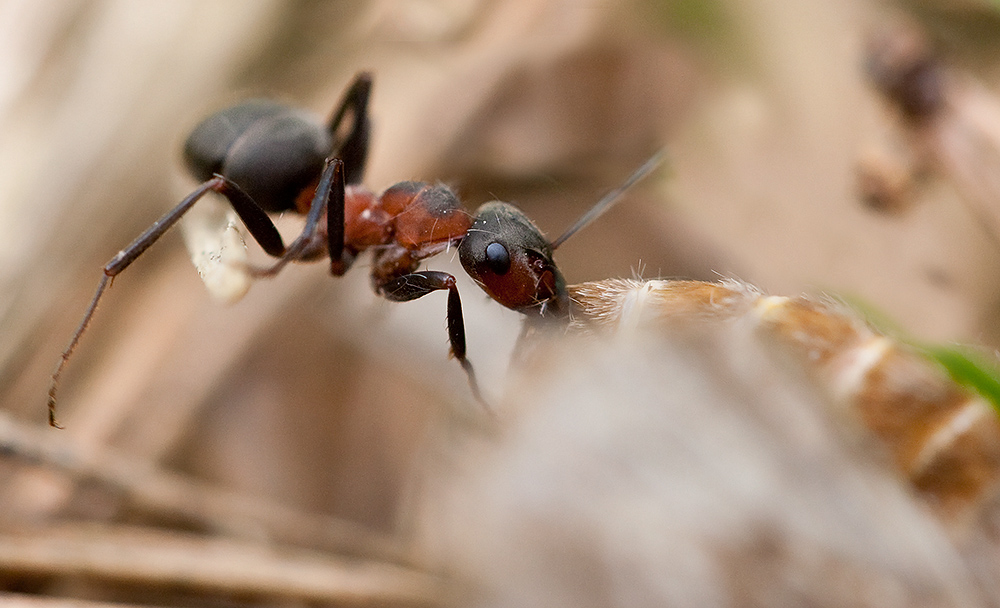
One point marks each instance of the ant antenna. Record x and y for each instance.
(612, 197)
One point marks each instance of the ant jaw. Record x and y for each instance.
(556, 307)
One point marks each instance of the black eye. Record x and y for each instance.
(497, 258)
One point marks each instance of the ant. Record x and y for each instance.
(265, 157)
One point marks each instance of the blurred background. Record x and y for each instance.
(314, 393)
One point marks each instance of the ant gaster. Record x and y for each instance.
(265, 157)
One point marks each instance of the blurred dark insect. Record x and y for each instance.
(950, 129)
(903, 68)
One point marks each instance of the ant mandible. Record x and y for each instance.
(265, 157)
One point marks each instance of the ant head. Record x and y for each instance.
(507, 255)
(512, 261)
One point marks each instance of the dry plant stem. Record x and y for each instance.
(19, 600)
(951, 122)
(157, 492)
(153, 558)
(967, 153)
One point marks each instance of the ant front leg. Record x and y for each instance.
(418, 284)
(256, 220)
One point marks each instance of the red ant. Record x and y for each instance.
(264, 157)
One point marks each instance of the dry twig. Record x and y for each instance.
(157, 492)
(216, 566)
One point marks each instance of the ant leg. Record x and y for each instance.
(259, 225)
(418, 284)
(335, 201)
(329, 196)
(352, 147)
(256, 220)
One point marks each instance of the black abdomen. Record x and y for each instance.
(271, 151)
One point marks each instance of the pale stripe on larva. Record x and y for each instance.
(943, 437)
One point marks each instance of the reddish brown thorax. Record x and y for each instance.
(421, 218)
(425, 217)
(407, 223)
(366, 222)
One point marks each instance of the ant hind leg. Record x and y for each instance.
(256, 220)
(329, 197)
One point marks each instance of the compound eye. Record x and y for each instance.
(497, 258)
